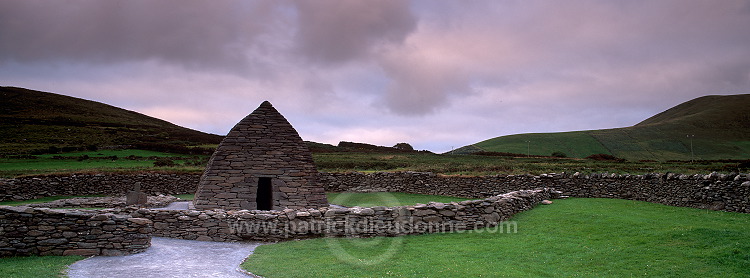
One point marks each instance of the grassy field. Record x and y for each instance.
(571, 238)
(186, 197)
(102, 160)
(387, 199)
(716, 125)
(633, 143)
(493, 165)
(35, 267)
(99, 161)
(574, 144)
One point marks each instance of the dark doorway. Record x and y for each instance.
(264, 197)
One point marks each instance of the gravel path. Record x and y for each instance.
(169, 257)
(176, 206)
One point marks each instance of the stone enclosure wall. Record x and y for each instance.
(33, 231)
(32, 187)
(713, 191)
(105, 202)
(30, 231)
(220, 225)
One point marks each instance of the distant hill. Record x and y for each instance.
(37, 122)
(345, 146)
(717, 126)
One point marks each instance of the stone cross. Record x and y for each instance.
(136, 197)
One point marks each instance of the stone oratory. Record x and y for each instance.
(262, 164)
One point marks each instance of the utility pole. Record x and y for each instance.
(528, 148)
(692, 155)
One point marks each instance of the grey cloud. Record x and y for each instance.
(487, 68)
(596, 49)
(190, 33)
(336, 31)
(420, 85)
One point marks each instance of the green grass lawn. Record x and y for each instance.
(35, 267)
(186, 197)
(118, 153)
(388, 199)
(662, 143)
(570, 238)
(575, 144)
(363, 162)
(141, 160)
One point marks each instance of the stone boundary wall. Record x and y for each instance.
(32, 187)
(30, 231)
(105, 202)
(714, 191)
(220, 225)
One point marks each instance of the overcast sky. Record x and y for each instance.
(436, 74)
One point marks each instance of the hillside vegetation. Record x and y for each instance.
(38, 122)
(717, 124)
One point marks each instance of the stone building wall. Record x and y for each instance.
(220, 225)
(261, 164)
(30, 231)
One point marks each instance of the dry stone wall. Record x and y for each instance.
(31, 231)
(221, 225)
(728, 192)
(105, 202)
(35, 231)
(32, 187)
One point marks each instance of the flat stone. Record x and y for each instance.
(433, 219)
(53, 241)
(140, 221)
(86, 245)
(81, 252)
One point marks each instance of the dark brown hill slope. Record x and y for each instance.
(33, 122)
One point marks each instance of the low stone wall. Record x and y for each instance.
(105, 202)
(30, 231)
(220, 225)
(49, 232)
(713, 191)
(26, 188)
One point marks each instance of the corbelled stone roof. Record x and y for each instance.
(262, 145)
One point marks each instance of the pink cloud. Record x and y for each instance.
(431, 73)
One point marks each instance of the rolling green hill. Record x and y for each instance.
(37, 122)
(718, 124)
